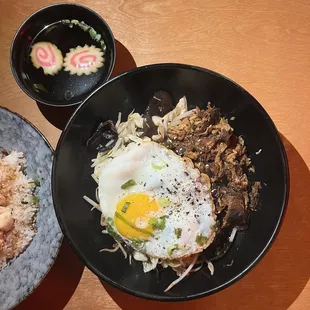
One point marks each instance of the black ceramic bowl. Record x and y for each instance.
(50, 24)
(132, 90)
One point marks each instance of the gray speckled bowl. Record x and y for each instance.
(24, 273)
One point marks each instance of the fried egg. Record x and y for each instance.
(156, 202)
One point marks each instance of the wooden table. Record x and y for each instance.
(262, 45)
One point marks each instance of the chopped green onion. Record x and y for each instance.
(158, 223)
(65, 22)
(110, 221)
(36, 200)
(129, 183)
(39, 87)
(83, 26)
(111, 230)
(138, 243)
(103, 46)
(178, 232)
(120, 217)
(48, 30)
(92, 33)
(125, 206)
(202, 240)
(37, 182)
(158, 167)
(164, 202)
(97, 37)
(74, 22)
(171, 248)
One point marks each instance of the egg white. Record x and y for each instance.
(190, 205)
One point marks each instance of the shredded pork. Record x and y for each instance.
(209, 141)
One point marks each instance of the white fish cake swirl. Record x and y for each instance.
(83, 60)
(47, 56)
(156, 202)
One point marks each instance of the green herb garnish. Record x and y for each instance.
(120, 217)
(202, 240)
(97, 37)
(158, 223)
(138, 243)
(103, 45)
(92, 32)
(83, 26)
(129, 183)
(36, 182)
(171, 248)
(39, 87)
(164, 202)
(111, 230)
(159, 167)
(125, 206)
(109, 220)
(178, 232)
(65, 22)
(36, 200)
(50, 29)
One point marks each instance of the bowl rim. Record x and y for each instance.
(227, 283)
(13, 67)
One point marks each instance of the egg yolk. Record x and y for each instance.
(133, 214)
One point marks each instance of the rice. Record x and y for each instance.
(18, 207)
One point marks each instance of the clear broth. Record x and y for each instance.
(62, 86)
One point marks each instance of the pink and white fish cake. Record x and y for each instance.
(84, 60)
(47, 56)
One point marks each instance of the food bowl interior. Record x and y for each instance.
(62, 89)
(133, 90)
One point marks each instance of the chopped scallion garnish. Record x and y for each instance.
(138, 243)
(125, 206)
(92, 33)
(39, 87)
(202, 240)
(120, 217)
(178, 232)
(158, 223)
(171, 248)
(129, 183)
(36, 200)
(164, 202)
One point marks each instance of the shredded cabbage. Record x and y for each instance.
(130, 131)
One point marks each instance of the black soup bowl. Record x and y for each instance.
(133, 90)
(67, 26)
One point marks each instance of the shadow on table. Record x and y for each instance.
(124, 60)
(59, 116)
(276, 282)
(58, 286)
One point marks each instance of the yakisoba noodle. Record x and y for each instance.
(47, 56)
(83, 60)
